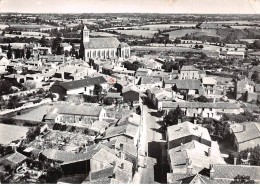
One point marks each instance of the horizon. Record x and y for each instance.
(214, 7)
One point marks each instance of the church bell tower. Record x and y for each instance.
(85, 34)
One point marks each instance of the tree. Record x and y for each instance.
(5, 87)
(97, 89)
(172, 117)
(118, 87)
(9, 52)
(28, 54)
(44, 42)
(53, 174)
(242, 179)
(201, 46)
(196, 46)
(255, 77)
(202, 99)
(256, 44)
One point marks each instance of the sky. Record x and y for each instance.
(132, 6)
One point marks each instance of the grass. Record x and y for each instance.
(144, 33)
(102, 34)
(167, 26)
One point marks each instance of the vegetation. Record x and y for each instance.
(173, 116)
(60, 127)
(33, 133)
(241, 179)
(254, 158)
(132, 66)
(239, 118)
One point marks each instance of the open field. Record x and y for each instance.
(102, 34)
(31, 26)
(170, 48)
(9, 133)
(144, 33)
(244, 27)
(167, 26)
(196, 32)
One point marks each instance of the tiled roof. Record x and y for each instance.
(251, 132)
(150, 80)
(13, 159)
(73, 110)
(83, 83)
(188, 84)
(223, 171)
(219, 105)
(255, 68)
(100, 43)
(241, 85)
(57, 155)
(189, 68)
(257, 88)
(209, 80)
(186, 129)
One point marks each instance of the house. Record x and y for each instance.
(225, 173)
(75, 114)
(242, 87)
(209, 84)
(65, 47)
(142, 72)
(95, 163)
(245, 135)
(115, 97)
(206, 110)
(13, 160)
(187, 86)
(254, 55)
(98, 127)
(237, 55)
(83, 86)
(3, 63)
(145, 83)
(188, 160)
(186, 132)
(103, 48)
(189, 72)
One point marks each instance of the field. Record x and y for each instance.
(30, 26)
(102, 34)
(9, 133)
(144, 33)
(167, 26)
(196, 32)
(34, 115)
(244, 27)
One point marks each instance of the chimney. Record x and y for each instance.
(195, 121)
(122, 166)
(121, 147)
(189, 169)
(119, 154)
(179, 121)
(235, 161)
(187, 161)
(212, 173)
(209, 152)
(244, 127)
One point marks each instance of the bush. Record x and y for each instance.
(9, 121)
(37, 101)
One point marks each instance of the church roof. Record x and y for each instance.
(100, 43)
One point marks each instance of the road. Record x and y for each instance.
(156, 144)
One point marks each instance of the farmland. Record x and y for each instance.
(102, 34)
(196, 32)
(9, 133)
(167, 26)
(144, 33)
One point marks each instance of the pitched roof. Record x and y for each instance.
(189, 68)
(150, 80)
(219, 105)
(13, 159)
(188, 84)
(229, 172)
(100, 43)
(83, 83)
(73, 109)
(209, 80)
(257, 88)
(251, 132)
(186, 129)
(57, 155)
(255, 68)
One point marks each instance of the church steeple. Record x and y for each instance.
(85, 34)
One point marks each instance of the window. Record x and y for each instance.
(210, 109)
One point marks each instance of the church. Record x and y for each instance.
(104, 48)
